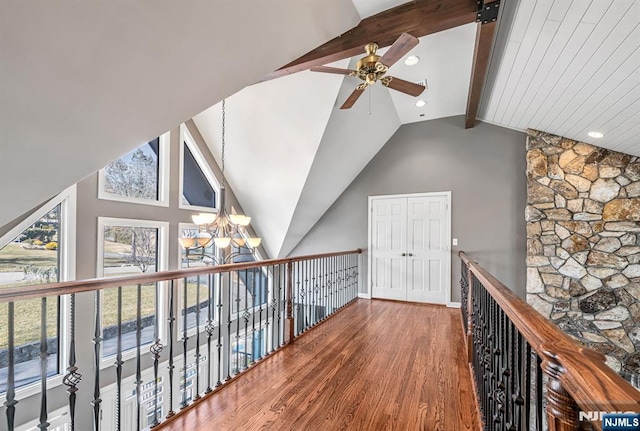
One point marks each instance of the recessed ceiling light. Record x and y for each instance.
(411, 60)
(420, 103)
(595, 134)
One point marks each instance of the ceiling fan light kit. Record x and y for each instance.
(372, 68)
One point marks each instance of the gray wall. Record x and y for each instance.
(483, 167)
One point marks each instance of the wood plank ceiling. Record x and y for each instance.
(568, 68)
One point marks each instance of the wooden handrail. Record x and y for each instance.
(581, 371)
(11, 294)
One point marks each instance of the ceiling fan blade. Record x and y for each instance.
(400, 47)
(327, 69)
(404, 86)
(352, 98)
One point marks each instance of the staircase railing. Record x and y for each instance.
(529, 374)
(203, 328)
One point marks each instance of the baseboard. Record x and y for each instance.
(364, 296)
(454, 305)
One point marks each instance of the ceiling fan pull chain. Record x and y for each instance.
(369, 100)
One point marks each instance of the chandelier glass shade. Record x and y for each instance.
(222, 229)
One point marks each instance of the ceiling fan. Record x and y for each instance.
(372, 68)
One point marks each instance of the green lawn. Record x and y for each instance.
(27, 313)
(14, 256)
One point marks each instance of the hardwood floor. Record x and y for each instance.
(377, 365)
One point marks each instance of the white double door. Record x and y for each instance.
(409, 253)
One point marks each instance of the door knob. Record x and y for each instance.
(404, 254)
(410, 254)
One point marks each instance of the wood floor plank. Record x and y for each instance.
(377, 365)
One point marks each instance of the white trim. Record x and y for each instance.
(187, 138)
(447, 269)
(364, 295)
(454, 304)
(162, 261)
(163, 179)
(58, 420)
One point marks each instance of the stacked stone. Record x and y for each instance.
(583, 243)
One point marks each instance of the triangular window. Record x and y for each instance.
(140, 176)
(198, 186)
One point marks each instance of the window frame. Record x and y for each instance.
(187, 138)
(67, 200)
(191, 331)
(163, 178)
(162, 261)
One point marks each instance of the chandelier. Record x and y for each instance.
(222, 229)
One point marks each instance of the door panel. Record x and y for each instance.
(416, 227)
(388, 242)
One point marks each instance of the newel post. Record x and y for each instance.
(288, 322)
(469, 313)
(562, 410)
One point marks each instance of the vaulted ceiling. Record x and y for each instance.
(84, 83)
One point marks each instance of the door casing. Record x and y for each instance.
(447, 269)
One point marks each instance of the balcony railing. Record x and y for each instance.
(529, 374)
(202, 328)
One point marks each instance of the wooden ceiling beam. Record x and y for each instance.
(418, 18)
(480, 65)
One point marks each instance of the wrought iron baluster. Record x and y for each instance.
(237, 337)
(138, 354)
(171, 366)
(260, 301)
(313, 293)
(228, 334)
(73, 377)
(210, 328)
(528, 382)
(264, 281)
(219, 343)
(118, 363)
(336, 286)
(297, 300)
(97, 340)
(523, 374)
(44, 354)
(10, 401)
(281, 299)
(539, 406)
(274, 305)
(256, 296)
(185, 341)
(246, 314)
(156, 349)
(197, 355)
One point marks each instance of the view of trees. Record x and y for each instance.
(134, 175)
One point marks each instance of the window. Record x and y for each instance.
(198, 185)
(141, 176)
(208, 294)
(126, 248)
(37, 251)
(255, 281)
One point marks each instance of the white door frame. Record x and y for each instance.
(447, 194)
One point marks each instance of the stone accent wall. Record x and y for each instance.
(583, 243)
